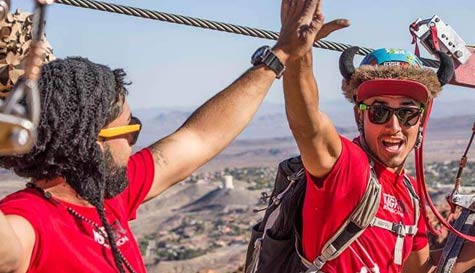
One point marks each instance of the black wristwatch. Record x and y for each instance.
(264, 55)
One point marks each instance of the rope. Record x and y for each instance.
(463, 161)
(207, 24)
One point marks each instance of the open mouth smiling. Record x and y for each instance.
(392, 145)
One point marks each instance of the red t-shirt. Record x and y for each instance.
(328, 205)
(65, 244)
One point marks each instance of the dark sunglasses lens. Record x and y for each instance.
(135, 120)
(135, 135)
(379, 114)
(408, 116)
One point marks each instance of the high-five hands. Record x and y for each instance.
(302, 25)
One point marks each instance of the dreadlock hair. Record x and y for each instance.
(78, 99)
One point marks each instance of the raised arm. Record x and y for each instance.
(216, 123)
(17, 239)
(316, 137)
(10, 259)
(209, 129)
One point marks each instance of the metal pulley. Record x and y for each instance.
(435, 35)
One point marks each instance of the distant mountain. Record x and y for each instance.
(271, 121)
(219, 199)
(452, 108)
(462, 122)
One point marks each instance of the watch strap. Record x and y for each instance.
(273, 62)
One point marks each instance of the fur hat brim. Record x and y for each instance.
(424, 76)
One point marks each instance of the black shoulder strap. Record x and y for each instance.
(415, 198)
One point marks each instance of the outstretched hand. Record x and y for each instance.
(302, 24)
(330, 27)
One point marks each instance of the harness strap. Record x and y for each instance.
(277, 199)
(252, 268)
(401, 231)
(348, 234)
(415, 26)
(414, 197)
(434, 37)
(398, 228)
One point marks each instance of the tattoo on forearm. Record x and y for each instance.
(160, 160)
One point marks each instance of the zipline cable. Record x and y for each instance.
(207, 24)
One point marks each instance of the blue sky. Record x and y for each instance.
(174, 65)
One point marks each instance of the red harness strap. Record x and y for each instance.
(435, 39)
(425, 194)
(415, 26)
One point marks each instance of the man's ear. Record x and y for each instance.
(101, 145)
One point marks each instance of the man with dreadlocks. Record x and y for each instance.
(392, 95)
(85, 186)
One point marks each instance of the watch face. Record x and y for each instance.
(259, 55)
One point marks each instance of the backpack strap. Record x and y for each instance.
(415, 198)
(276, 200)
(398, 228)
(352, 228)
(401, 231)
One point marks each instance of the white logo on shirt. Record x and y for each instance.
(119, 233)
(392, 205)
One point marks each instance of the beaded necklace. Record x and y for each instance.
(48, 196)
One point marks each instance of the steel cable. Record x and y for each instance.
(207, 24)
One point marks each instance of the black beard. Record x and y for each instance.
(115, 176)
(108, 183)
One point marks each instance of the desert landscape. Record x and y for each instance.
(203, 224)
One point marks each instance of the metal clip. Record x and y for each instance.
(296, 175)
(399, 229)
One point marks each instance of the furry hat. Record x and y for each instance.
(392, 72)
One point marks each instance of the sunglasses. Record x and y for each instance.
(133, 129)
(380, 114)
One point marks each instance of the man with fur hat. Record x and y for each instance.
(85, 185)
(392, 95)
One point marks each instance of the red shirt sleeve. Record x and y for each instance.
(140, 172)
(343, 187)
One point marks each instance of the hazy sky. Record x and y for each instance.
(174, 65)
